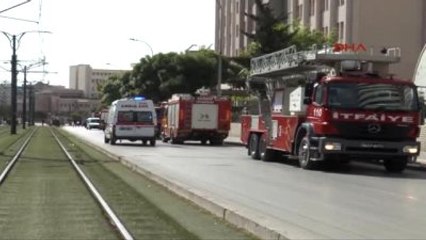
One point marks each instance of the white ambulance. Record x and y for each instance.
(131, 119)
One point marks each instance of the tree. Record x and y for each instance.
(111, 90)
(271, 32)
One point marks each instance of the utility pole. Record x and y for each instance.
(31, 105)
(14, 87)
(24, 102)
(14, 63)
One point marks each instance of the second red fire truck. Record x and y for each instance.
(321, 105)
(202, 118)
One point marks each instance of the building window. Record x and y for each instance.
(326, 5)
(341, 2)
(237, 30)
(341, 30)
(312, 8)
(300, 10)
(237, 7)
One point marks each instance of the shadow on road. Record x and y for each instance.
(364, 168)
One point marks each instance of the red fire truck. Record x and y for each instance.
(202, 118)
(322, 105)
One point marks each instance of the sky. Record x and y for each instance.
(97, 32)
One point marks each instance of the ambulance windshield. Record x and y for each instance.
(372, 96)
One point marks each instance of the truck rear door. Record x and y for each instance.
(135, 124)
(204, 116)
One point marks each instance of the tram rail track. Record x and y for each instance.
(95, 193)
(42, 191)
(114, 220)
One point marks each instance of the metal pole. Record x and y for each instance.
(13, 86)
(219, 60)
(137, 40)
(24, 102)
(31, 105)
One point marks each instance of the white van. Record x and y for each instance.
(131, 119)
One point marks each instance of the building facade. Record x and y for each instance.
(231, 19)
(84, 77)
(377, 24)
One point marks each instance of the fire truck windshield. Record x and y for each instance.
(372, 96)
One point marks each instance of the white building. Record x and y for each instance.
(84, 77)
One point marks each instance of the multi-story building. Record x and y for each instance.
(84, 77)
(231, 19)
(376, 24)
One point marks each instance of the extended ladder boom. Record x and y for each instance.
(289, 61)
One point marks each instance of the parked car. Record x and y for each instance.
(93, 122)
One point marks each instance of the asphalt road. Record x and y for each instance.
(361, 201)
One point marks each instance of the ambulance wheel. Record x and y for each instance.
(176, 141)
(254, 146)
(304, 154)
(216, 142)
(112, 140)
(152, 142)
(396, 165)
(106, 140)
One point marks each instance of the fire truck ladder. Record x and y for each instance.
(289, 61)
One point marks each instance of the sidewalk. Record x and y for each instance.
(421, 159)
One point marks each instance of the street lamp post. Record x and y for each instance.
(137, 40)
(219, 60)
(190, 47)
(13, 38)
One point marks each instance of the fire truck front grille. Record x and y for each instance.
(372, 150)
(373, 131)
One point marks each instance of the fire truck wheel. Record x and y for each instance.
(204, 142)
(106, 140)
(144, 142)
(303, 154)
(254, 146)
(265, 154)
(152, 142)
(396, 165)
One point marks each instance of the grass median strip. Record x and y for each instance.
(43, 198)
(148, 210)
(9, 144)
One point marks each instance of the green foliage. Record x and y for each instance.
(304, 38)
(111, 90)
(271, 32)
(160, 76)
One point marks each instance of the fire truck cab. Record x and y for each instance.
(321, 105)
(202, 118)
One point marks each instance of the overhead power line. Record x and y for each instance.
(17, 5)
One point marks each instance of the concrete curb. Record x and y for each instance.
(224, 213)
